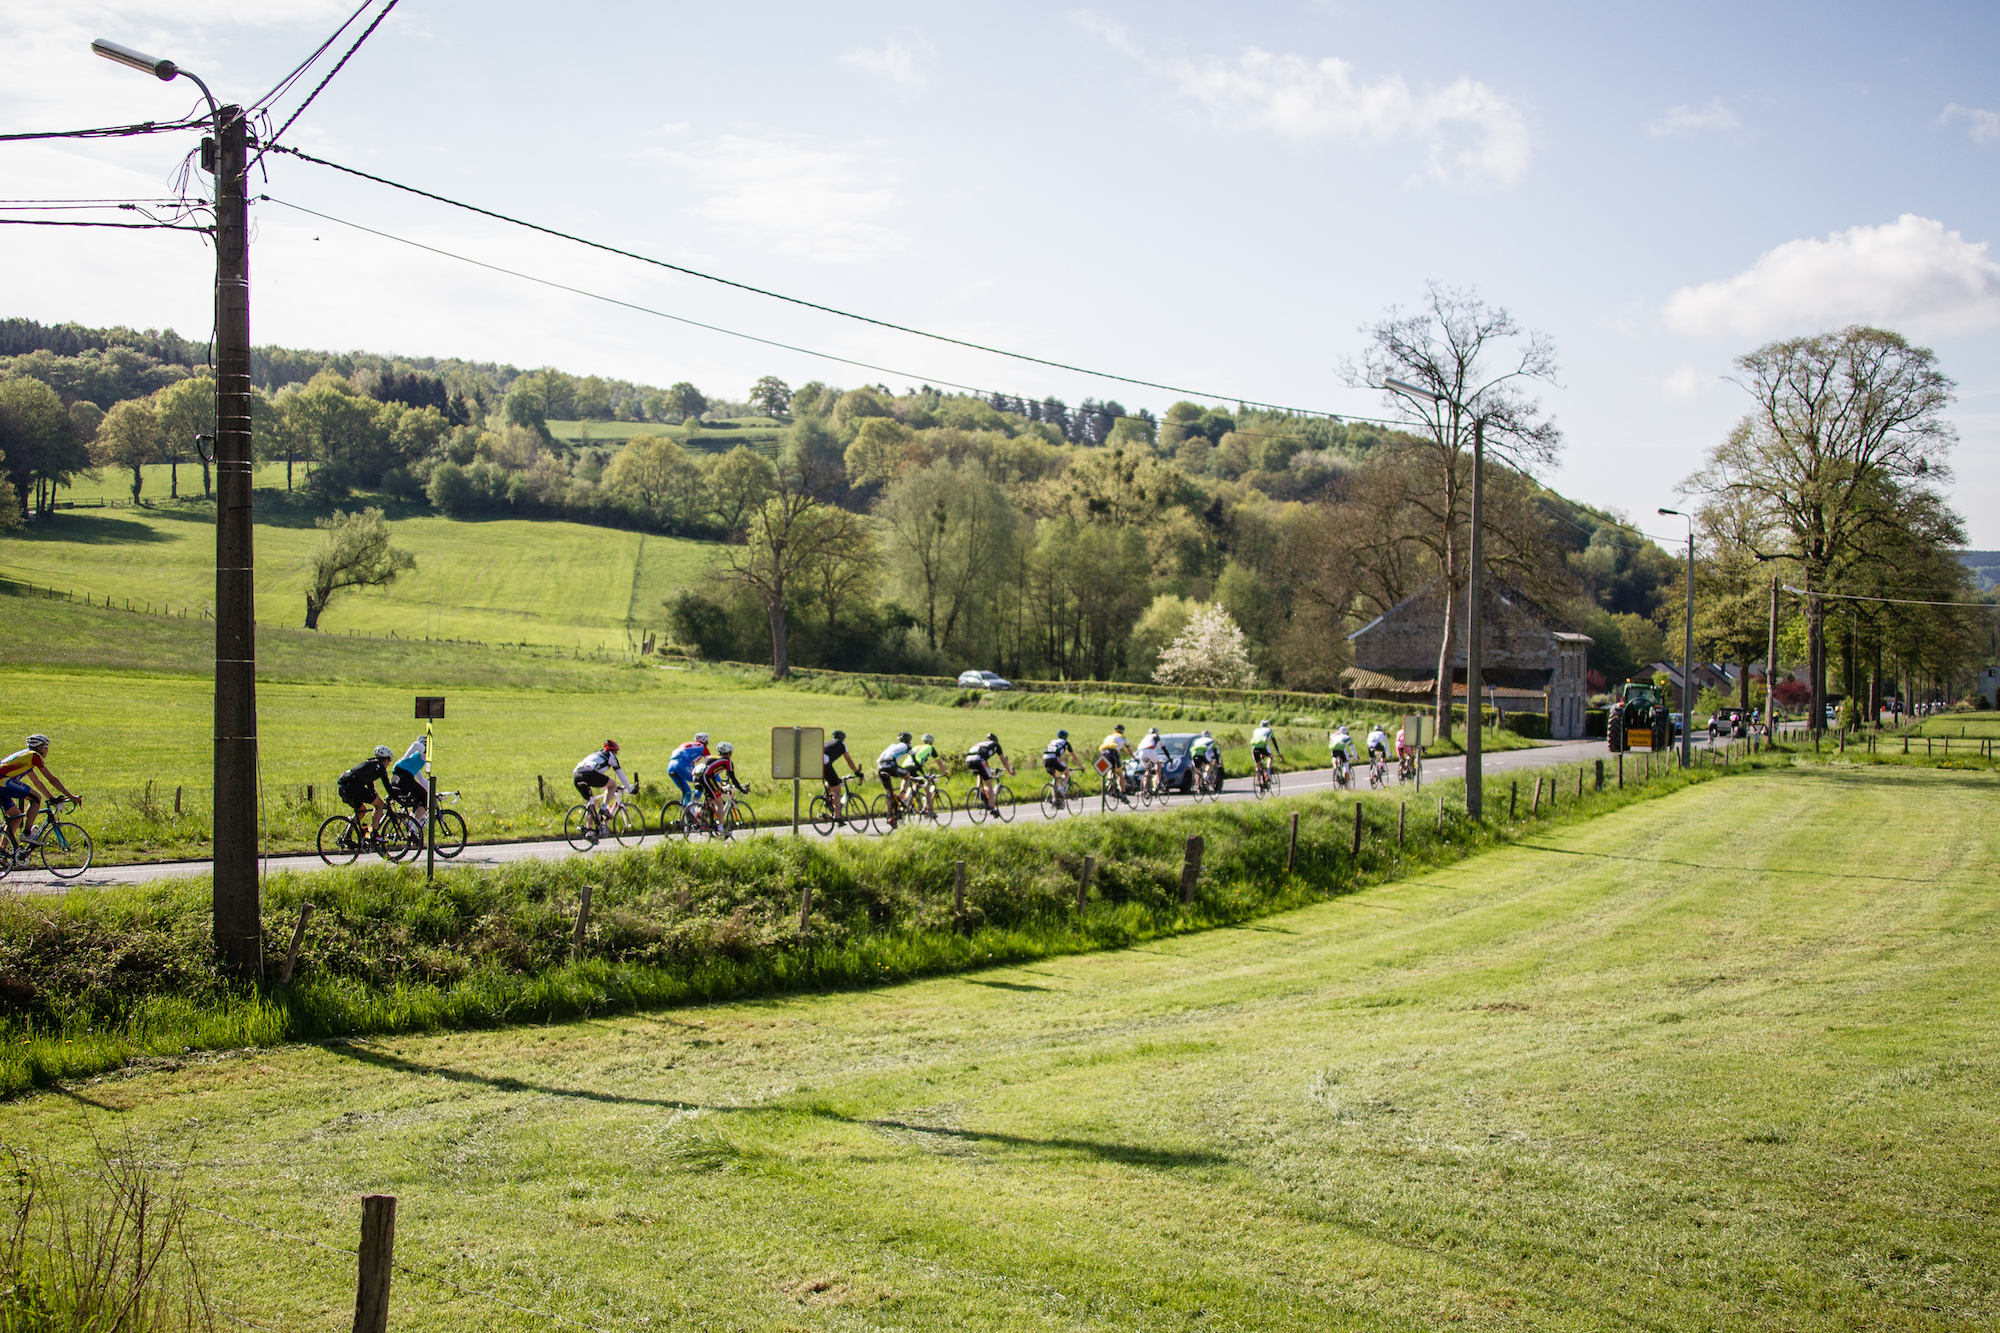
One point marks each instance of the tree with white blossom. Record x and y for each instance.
(1209, 653)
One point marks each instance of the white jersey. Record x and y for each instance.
(1261, 736)
(1378, 739)
(1151, 751)
(602, 762)
(888, 757)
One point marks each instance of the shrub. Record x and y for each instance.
(1533, 726)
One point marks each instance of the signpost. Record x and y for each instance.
(430, 707)
(792, 752)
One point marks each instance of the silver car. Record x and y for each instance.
(984, 680)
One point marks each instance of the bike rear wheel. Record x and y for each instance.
(820, 816)
(402, 837)
(976, 808)
(65, 850)
(336, 843)
(580, 828)
(878, 811)
(1052, 803)
(450, 833)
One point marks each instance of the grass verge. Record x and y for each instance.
(96, 977)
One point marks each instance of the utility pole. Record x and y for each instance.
(1771, 668)
(1687, 664)
(239, 934)
(1475, 712)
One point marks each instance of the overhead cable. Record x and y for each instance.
(123, 226)
(306, 64)
(1898, 601)
(366, 33)
(801, 301)
(114, 131)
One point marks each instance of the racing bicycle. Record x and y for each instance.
(63, 848)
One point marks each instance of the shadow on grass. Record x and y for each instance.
(1005, 985)
(1124, 1153)
(1803, 872)
(94, 530)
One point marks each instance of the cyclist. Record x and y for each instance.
(599, 777)
(1052, 760)
(30, 764)
(1153, 756)
(911, 766)
(680, 764)
(406, 779)
(832, 753)
(1340, 751)
(1110, 752)
(1378, 746)
(888, 769)
(711, 774)
(980, 760)
(1262, 744)
(357, 787)
(1203, 755)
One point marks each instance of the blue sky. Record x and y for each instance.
(1215, 196)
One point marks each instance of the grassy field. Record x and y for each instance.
(495, 581)
(1973, 726)
(1620, 1076)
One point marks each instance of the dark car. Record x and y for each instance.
(1178, 772)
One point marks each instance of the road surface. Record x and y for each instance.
(493, 854)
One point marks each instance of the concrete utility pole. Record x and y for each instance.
(1771, 667)
(1475, 713)
(239, 933)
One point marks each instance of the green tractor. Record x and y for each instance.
(1639, 719)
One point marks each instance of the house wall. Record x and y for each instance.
(1404, 642)
(1569, 695)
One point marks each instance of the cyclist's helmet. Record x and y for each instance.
(1120, 728)
(384, 752)
(903, 736)
(725, 748)
(701, 736)
(422, 744)
(611, 747)
(38, 742)
(991, 737)
(929, 739)
(1206, 732)
(1062, 733)
(839, 735)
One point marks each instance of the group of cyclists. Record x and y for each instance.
(907, 768)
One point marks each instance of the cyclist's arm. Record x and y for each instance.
(40, 771)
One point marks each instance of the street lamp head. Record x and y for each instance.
(1675, 512)
(163, 70)
(1395, 385)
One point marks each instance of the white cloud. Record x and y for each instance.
(1910, 274)
(1686, 382)
(1985, 124)
(1715, 118)
(895, 61)
(1469, 135)
(820, 203)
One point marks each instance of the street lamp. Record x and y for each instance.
(1687, 656)
(1474, 684)
(239, 926)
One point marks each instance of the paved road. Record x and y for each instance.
(493, 854)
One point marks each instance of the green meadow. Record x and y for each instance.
(1623, 1074)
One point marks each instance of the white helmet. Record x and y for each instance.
(701, 736)
(384, 752)
(725, 748)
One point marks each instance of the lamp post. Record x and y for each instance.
(1687, 655)
(238, 913)
(1474, 684)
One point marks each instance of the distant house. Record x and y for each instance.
(1530, 661)
(1707, 676)
(1987, 684)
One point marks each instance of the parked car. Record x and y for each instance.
(984, 680)
(1678, 724)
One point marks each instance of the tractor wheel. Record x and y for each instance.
(1614, 734)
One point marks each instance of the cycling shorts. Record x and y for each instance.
(14, 792)
(1052, 762)
(358, 796)
(589, 781)
(827, 775)
(978, 767)
(1262, 750)
(1382, 750)
(408, 786)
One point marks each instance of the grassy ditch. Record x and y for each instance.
(97, 977)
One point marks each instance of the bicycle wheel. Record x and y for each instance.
(450, 833)
(670, 817)
(941, 809)
(1003, 803)
(336, 843)
(626, 828)
(1260, 785)
(1051, 801)
(402, 838)
(878, 811)
(688, 820)
(579, 828)
(65, 850)
(739, 819)
(1277, 783)
(820, 816)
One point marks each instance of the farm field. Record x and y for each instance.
(495, 581)
(1619, 1075)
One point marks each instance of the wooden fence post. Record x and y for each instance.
(958, 897)
(1600, 775)
(1402, 814)
(1191, 866)
(1440, 816)
(309, 793)
(582, 920)
(177, 802)
(1536, 808)
(298, 938)
(805, 908)
(1292, 844)
(541, 791)
(1357, 831)
(377, 1257)
(1513, 797)
(1621, 770)
(1579, 782)
(1083, 882)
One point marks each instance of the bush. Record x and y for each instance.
(1594, 722)
(1533, 726)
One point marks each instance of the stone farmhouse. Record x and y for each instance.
(1532, 661)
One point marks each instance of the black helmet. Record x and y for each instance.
(903, 736)
(839, 735)
(1062, 733)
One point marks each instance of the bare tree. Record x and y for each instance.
(1474, 357)
(1841, 420)
(794, 530)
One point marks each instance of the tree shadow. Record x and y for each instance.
(1805, 872)
(93, 530)
(1004, 985)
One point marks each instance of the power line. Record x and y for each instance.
(122, 226)
(112, 131)
(366, 33)
(801, 301)
(1898, 601)
(286, 82)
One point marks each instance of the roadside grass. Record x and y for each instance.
(494, 581)
(1970, 725)
(90, 979)
(1620, 1075)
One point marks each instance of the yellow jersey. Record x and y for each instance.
(1115, 741)
(18, 763)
